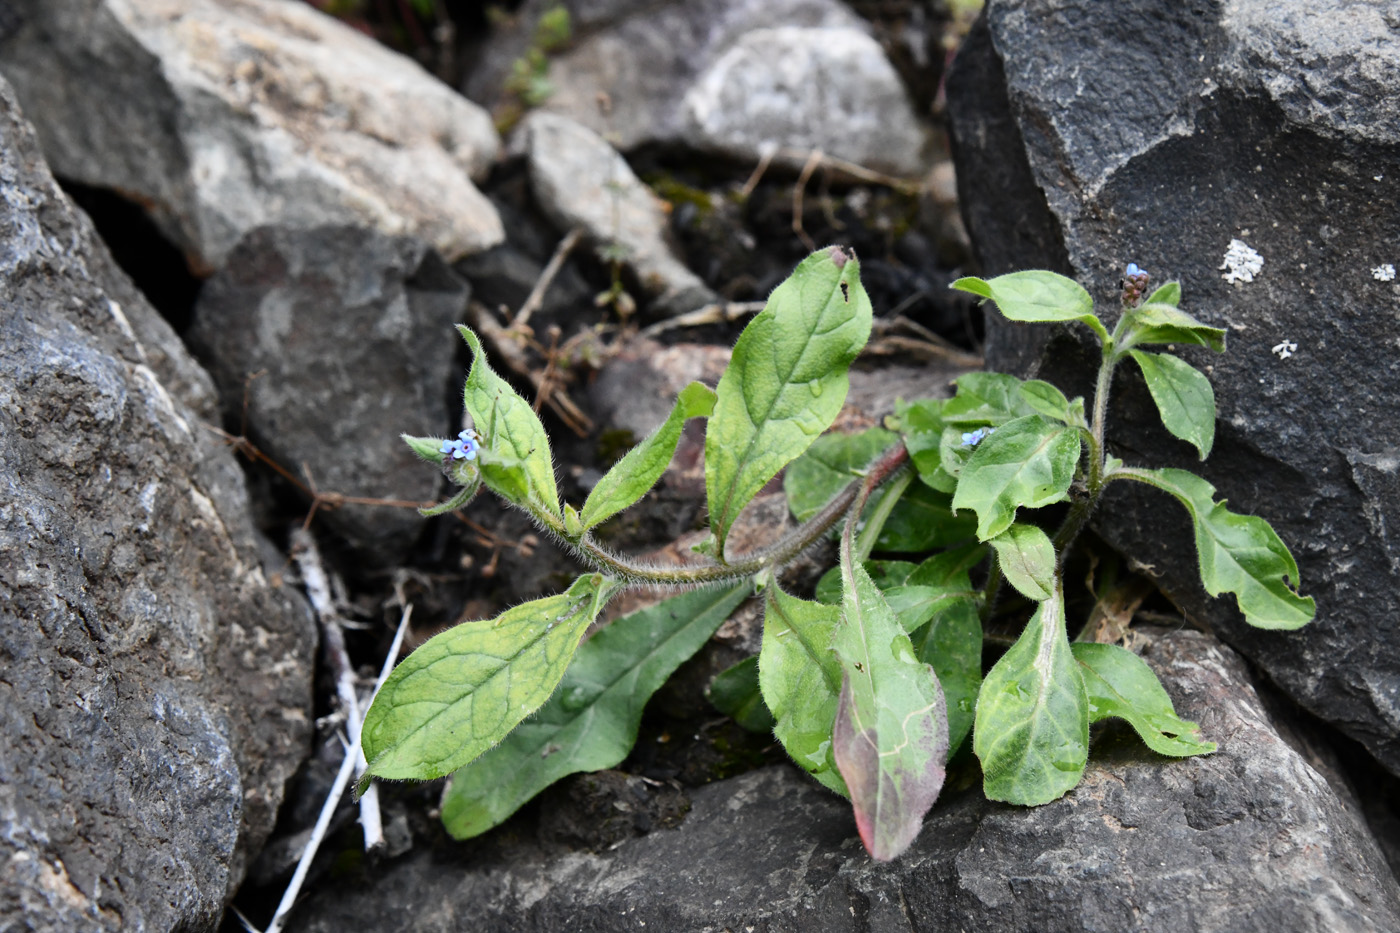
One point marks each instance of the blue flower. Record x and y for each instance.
(973, 438)
(466, 447)
(1133, 269)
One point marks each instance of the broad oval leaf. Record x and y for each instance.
(987, 399)
(1119, 683)
(1162, 322)
(890, 737)
(786, 381)
(1239, 554)
(921, 425)
(923, 520)
(801, 680)
(591, 721)
(1184, 398)
(736, 694)
(952, 642)
(1032, 729)
(511, 430)
(1045, 399)
(1168, 293)
(1037, 296)
(640, 468)
(1028, 462)
(1027, 559)
(463, 690)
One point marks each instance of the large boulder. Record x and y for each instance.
(350, 334)
(156, 689)
(225, 116)
(1089, 135)
(1251, 839)
(750, 75)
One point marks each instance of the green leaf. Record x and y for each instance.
(1239, 554)
(1027, 462)
(947, 568)
(464, 689)
(1168, 293)
(458, 501)
(987, 399)
(828, 466)
(590, 722)
(510, 430)
(1161, 322)
(923, 520)
(1045, 399)
(1119, 683)
(890, 736)
(786, 381)
(1032, 729)
(952, 642)
(1027, 559)
(642, 466)
(1184, 398)
(427, 448)
(735, 692)
(885, 573)
(921, 426)
(801, 680)
(1037, 296)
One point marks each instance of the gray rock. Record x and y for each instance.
(1090, 135)
(156, 689)
(1249, 840)
(726, 76)
(581, 181)
(352, 332)
(225, 116)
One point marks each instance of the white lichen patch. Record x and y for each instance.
(1284, 350)
(1385, 272)
(1241, 262)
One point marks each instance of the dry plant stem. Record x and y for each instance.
(798, 190)
(551, 270)
(342, 779)
(721, 313)
(785, 550)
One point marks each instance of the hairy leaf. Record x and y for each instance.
(1184, 398)
(591, 722)
(1032, 729)
(1027, 559)
(428, 448)
(1119, 683)
(1027, 462)
(987, 399)
(642, 466)
(923, 520)
(1045, 399)
(921, 425)
(1239, 554)
(1168, 293)
(801, 679)
(463, 690)
(735, 692)
(511, 430)
(1161, 322)
(786, 381)
(952, 642)
(890, 737)
(1038, 296)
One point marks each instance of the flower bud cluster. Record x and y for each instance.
(1135, 282)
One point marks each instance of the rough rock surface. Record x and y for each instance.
(581, 181)
(800, 74)
(225, 116)
(1250, 840)
(1091, 135)
(155, 694)
(351, 331)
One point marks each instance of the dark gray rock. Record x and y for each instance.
(1249, 840)
(1089, 135)
(155, 694)
(224, 116)
(352, 332)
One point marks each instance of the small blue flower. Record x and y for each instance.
(973, 438)
(1133, 269)
(466, 447)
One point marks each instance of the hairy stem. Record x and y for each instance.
(776, 554)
